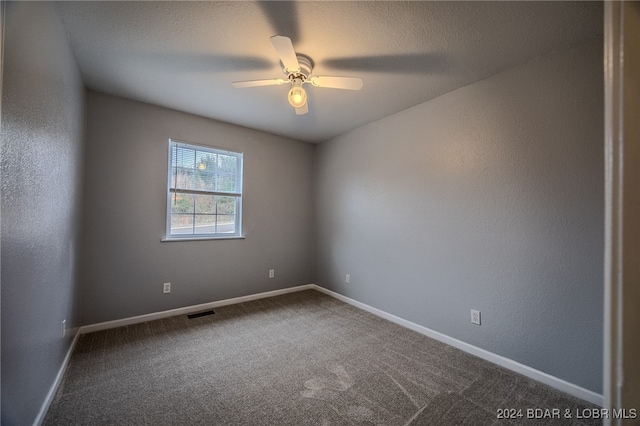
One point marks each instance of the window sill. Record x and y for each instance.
(172, 239)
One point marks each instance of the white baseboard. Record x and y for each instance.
(189, 309)
(507, 363)
(56, 383)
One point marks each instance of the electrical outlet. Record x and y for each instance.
(64, 328)
(166, 288)
(475, 317)
(272, 273)
(347, 279)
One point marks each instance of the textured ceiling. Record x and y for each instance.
(184, 54)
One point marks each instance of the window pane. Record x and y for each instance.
(205, 204)
(226, 224)
(205, 170)
(227, 173)
(205, 224)
(181, 203)
(181, 224)
(226, 205)
(182, 168)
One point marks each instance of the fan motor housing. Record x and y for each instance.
(306, 66)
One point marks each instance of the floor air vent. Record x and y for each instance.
(200, 314)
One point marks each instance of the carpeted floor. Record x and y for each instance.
(298, 359)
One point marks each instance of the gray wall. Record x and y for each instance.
(125, 263)
(42, 125)
(490, 198)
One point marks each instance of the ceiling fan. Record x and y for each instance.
(297, 69)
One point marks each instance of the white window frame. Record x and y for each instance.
(173, 143)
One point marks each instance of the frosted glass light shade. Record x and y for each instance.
(297, 96)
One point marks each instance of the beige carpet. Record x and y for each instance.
(298, 359)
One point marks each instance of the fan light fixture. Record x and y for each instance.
(297, 69)
(297, 96)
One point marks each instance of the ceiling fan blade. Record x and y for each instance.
(255, 83)
(284, 49)
(349, 83)
(302, 110)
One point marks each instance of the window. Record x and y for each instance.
(204, 197)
